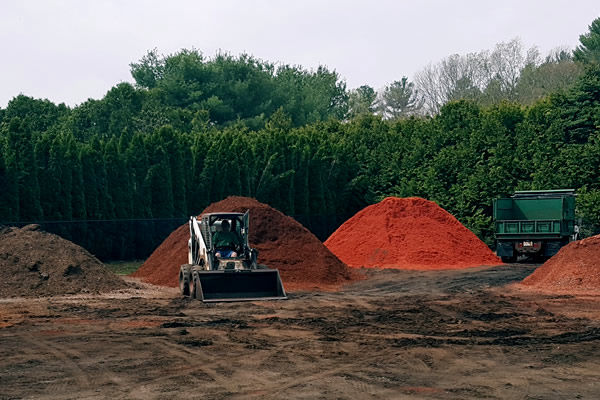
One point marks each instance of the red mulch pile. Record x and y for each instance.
(36, 263)
(408, 233)
(284, 244)
(575, 268)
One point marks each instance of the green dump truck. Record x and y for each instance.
(534, 223)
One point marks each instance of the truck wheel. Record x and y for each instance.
(508, 259)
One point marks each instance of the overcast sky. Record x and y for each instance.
(69, 51)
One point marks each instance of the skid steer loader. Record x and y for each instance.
(211, 278)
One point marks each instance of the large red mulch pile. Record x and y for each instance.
(284, 244)
(408, 233)
(575, 268)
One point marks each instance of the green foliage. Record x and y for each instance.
(21, 168)
(362, 100)
(588, 209)
(229, 89)
(536, 82)
(400, 99)
(124, 267)
(588, 52)
(194, 131)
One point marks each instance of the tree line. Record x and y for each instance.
(194, 130)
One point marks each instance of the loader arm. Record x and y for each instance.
(197, 247)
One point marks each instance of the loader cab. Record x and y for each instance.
(238, 222)
(214, 279)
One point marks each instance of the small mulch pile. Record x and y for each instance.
(575, 268)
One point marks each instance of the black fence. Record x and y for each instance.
(131, 239)
(322, 226)
(136, 239)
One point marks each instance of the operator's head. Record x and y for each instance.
(225, 225)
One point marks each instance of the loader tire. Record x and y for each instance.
(197, 288)
(184, 277)
(192, 287)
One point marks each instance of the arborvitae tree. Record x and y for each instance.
(6, 196)
(206, 176)
(49, 182)
(119, 188)
(158, 177)
(177, 154)
(60, 170)
(161, 186)
(99, 203)
(10, 193)
(91, 189)
(137, 164)
(20, 161)
(77, 178)
(318, 198)
(196, 190)
(302, 184)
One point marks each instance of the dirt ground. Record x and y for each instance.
(400, 334)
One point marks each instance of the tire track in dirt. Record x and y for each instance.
(261, 387)
(198, 361)
(104, 373)
(82, 378)
(347, 369)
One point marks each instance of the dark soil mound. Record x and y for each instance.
(284, 244)
(36, 263)
(575, 268)
(408, 233)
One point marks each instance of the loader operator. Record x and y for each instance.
(226, 242)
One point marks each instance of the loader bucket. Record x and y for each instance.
(242, 285)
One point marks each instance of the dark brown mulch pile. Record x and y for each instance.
(35, 263)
